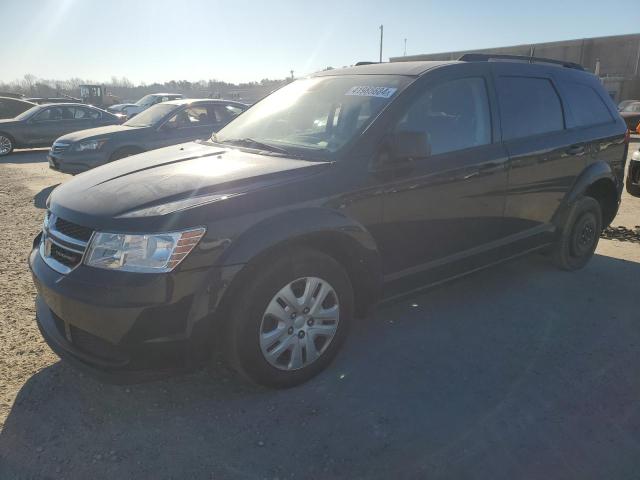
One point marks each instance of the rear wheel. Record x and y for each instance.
(580, 235)
(6, 144)
(289, 320)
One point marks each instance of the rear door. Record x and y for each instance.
(544, 156)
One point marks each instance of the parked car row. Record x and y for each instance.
(162, 122)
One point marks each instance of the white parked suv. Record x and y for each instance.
(132, 109)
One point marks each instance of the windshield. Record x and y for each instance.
(27, 113)
(315, 115)
(151, 116)
(146, 100)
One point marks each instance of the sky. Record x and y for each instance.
(245, 40)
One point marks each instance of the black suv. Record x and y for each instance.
(336, 190)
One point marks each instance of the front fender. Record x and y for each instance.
(325, 229)
(292, 225)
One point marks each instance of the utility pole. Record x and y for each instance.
(405, 47)
(291, 74)
(381, 32)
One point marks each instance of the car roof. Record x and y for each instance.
(187, 101)
(66, 104)
(388, 68)
(417, 68)
(21, 100)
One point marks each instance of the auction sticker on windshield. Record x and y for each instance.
(364, 91)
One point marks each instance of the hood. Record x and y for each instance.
(99, 132)
(174, 178)
(7, 122)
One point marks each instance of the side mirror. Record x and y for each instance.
(410, 146)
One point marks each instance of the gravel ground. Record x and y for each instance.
(520, 371)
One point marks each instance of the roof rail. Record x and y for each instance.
(487, 57)
(359, 64)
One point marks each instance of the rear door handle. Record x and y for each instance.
(575, 150)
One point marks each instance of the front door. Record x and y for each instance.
(452, 201)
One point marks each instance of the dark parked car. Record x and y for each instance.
(10, 107)
(335, 190)
(41, 125)
(631, 115)
(164, 124)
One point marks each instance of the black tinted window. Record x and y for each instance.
(529, 106)
(455, 115)
(587, 106)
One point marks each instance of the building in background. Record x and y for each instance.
(615, 59)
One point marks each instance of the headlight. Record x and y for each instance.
(89, 145)
(636, 156)
(145, 253)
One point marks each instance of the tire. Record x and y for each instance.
(633, 190)
(580, 234)
(269, 349)
(123, 153)
(6, 144)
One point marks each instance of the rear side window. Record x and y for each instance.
(529, 106)
(587, 106)
(455, 115)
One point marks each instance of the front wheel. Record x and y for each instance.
(580, 234)
(289, 320)
(6, 144)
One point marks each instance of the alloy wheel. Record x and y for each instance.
(299, 323)
(5, 145)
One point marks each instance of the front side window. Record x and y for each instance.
(50, 114)
(455, 115)
(191, 117)
(316, 116)
(529, 106)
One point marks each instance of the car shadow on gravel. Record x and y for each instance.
(520, 371)
(35, 155)
(40, 198)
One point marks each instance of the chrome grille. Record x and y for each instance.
(73, 230)
(63, 243)
(57, 148)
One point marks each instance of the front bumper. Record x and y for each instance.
(126, 327)
(73, 163)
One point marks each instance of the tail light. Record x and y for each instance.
(638, 129)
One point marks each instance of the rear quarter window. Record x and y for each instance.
(529, 106)
(586, 105)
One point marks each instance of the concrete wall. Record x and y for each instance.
(619, 58)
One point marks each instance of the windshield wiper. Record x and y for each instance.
(253, 143)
